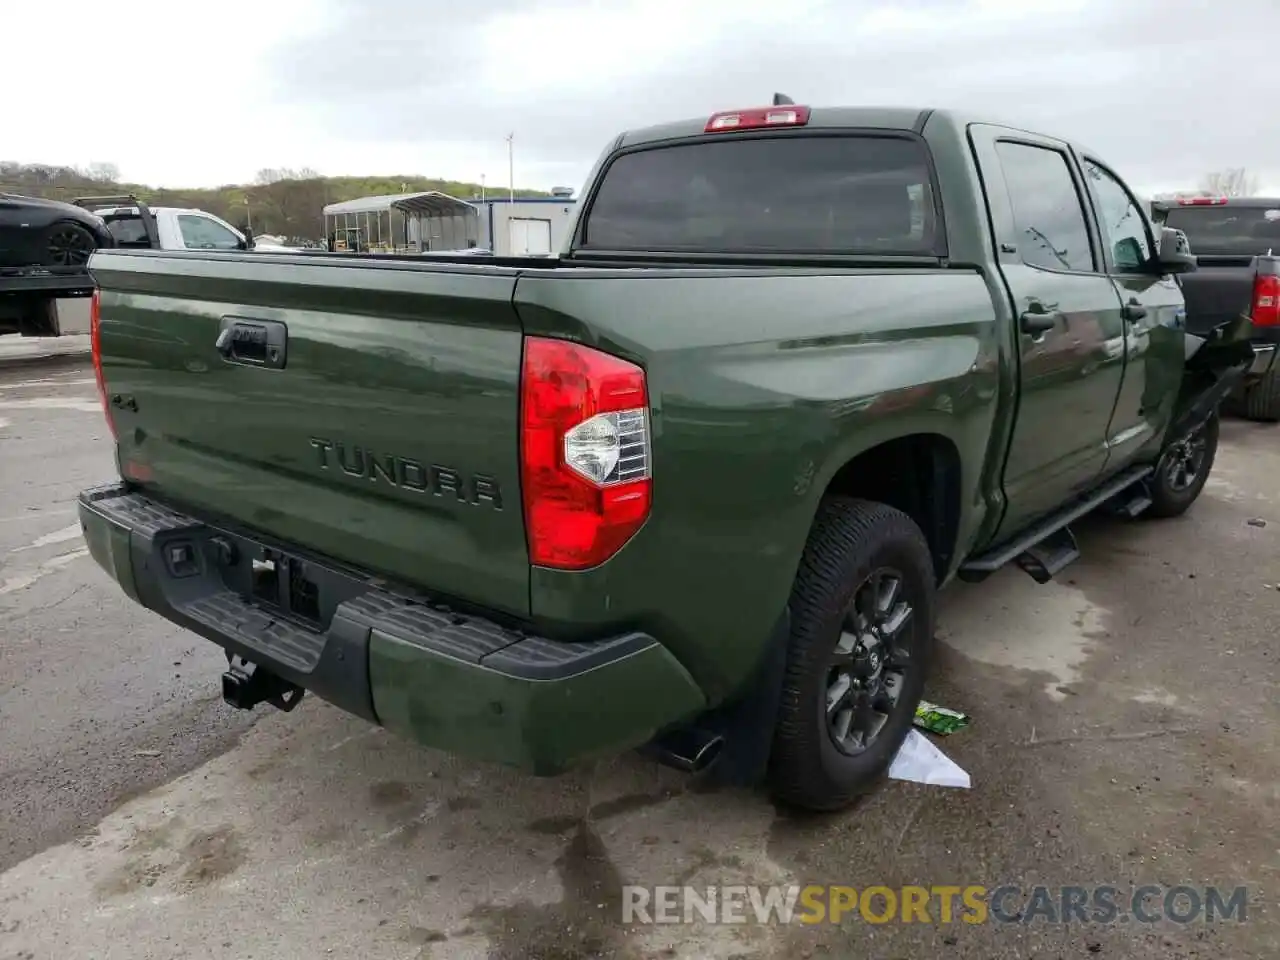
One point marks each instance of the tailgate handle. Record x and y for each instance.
(253, 343)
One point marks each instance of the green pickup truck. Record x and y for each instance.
(693, 485)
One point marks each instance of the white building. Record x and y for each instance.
(434, 221)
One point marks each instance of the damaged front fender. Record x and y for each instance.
(1216, 363)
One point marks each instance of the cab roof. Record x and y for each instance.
(866, 117)
(884, 118)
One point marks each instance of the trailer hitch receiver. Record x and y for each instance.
(245, 685)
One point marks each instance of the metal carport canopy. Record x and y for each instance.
(433, 203)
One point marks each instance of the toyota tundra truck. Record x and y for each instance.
(691, 486)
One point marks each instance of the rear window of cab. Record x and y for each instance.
(847, 194)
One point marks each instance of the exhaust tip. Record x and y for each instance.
(688, 750)
(708, 754)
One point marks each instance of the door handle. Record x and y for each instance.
(1039, 322)
(1133, 310)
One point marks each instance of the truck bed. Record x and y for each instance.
(387, 437)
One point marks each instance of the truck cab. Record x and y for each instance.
(138, 226)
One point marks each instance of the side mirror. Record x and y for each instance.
(1175, 254)
(1128, 255)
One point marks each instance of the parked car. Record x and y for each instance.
(1236, 242)
(35, 232)
(694, 485)
(136, 225)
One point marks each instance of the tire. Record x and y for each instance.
(67, 244)
(850, 542)
(1262, 399)
(1170, 497)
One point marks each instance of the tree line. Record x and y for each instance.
(280, 201)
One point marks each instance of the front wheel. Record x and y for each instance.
(1183, 470)
(861, 641)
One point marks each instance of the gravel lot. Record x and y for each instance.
(1124, 732)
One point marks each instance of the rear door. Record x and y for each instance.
(365, 412)
(1071, 334)
(1153, 312)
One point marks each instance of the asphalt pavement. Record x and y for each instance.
(1123, 733)
(16, 349)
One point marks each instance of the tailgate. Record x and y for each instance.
(365, 412)
(1218, 291)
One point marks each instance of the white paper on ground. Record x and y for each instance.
(921, 762)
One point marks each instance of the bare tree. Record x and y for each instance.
(1232, 182)
(270, 175)
(105, 172)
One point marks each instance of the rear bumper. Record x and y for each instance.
(459, 683)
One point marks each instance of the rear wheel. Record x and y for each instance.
(861, 642)
(1262, 399)
(1183, 471)
(68, 244)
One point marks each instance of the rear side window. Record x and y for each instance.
(128, 231)
(852, 194)
(1228, 231)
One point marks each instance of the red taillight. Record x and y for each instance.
(584, 453)
(787, 116)
(95, 338)
(1266, 302)
(1202, 201)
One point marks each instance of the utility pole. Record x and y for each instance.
(482, 188)
(511, 166)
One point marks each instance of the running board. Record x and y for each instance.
(1049, 546)
(1049, 557)
(1131, 504)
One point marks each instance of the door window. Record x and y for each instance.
(1124, 229)
(201, 233)
(1053, 232)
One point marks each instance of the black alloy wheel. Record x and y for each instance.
(69, 245)
(1183, 470)
(862, 616)
(869, 664)
(1186, 461)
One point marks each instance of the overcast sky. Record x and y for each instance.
(181, 94)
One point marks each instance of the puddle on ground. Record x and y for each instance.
(1049, 629)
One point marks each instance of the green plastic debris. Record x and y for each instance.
(940, 720)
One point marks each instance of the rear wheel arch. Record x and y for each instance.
(920, 474)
